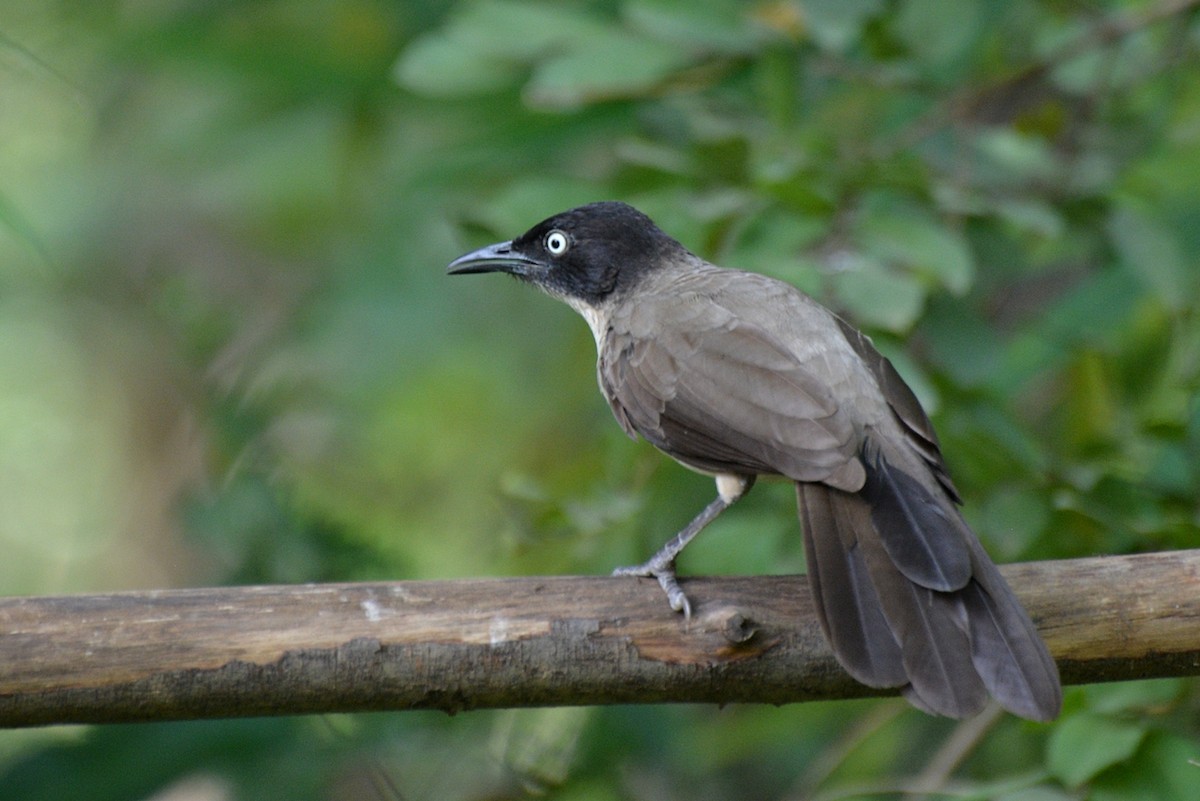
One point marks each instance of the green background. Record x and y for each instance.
(229, 354)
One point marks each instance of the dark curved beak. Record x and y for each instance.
(497, 258)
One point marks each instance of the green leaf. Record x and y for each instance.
(876, 296)
(438, 66)
(1015, 157)
(772, 242)
(913, 239)
(837, 24)
(1164, 769)
(487, 45)
(1126, 62)
(1085, 744)
(962, 343)
(1033, 216)
(939, 32)
(575, 58)
(612, 64)
(1134, 695)
(1151, 250)
(525, 202)
(21, 228)
(719, 25)
(1097, 309)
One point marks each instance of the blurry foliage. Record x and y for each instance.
(228, 351)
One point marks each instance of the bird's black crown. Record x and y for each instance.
(595, 251)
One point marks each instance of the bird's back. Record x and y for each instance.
(741, 358)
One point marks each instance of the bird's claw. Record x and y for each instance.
(665, 573)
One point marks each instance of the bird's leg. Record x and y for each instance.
(662, 565)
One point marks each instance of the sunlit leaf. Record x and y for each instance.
(437, 65)
(487, 43)
(723, 26)
(1163, 769)
(1085, 744)
(1134, 695)
(1034, 216)
(603, 66)
(1016, 156)
(877, 296)
(530, 200)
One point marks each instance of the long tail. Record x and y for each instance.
(908, 598)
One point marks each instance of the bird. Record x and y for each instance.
(738, 375)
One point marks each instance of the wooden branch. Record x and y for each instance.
(452, 645)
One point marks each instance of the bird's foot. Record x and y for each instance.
(664, 571)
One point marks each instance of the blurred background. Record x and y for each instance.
(229, 354)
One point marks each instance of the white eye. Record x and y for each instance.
(557, 242)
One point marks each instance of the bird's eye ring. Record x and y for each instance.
(557, 242)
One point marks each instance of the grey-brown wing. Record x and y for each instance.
(724, 395)
(904, 404)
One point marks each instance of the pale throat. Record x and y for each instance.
(597, 318)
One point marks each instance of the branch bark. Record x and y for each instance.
(451, 645)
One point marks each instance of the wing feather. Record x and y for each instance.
(904, 404)
(723, 395)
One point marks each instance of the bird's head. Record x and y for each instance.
(585, 255)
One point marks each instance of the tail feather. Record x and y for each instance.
(932, 630)
(1002, 635)
(924, 535)
(848, 607)
(892, 625)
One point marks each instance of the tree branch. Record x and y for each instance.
(451, 645)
